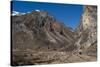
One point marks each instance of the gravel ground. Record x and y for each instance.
(50, 57)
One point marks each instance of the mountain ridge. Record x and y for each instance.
(41, 23)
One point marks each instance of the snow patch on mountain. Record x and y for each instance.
(37, 10)
(14, 13)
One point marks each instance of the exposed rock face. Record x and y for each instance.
(87, 30)
(40, 31)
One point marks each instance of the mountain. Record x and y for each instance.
(40, 31)
(87, 31)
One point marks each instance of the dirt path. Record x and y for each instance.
(52, 57)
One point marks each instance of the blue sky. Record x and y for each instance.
(66, 13)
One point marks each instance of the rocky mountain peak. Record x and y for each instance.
(44, 28)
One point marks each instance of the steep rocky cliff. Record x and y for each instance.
(87, 31)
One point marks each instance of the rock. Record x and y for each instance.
(87, 29)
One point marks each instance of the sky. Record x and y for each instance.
(69, 14)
